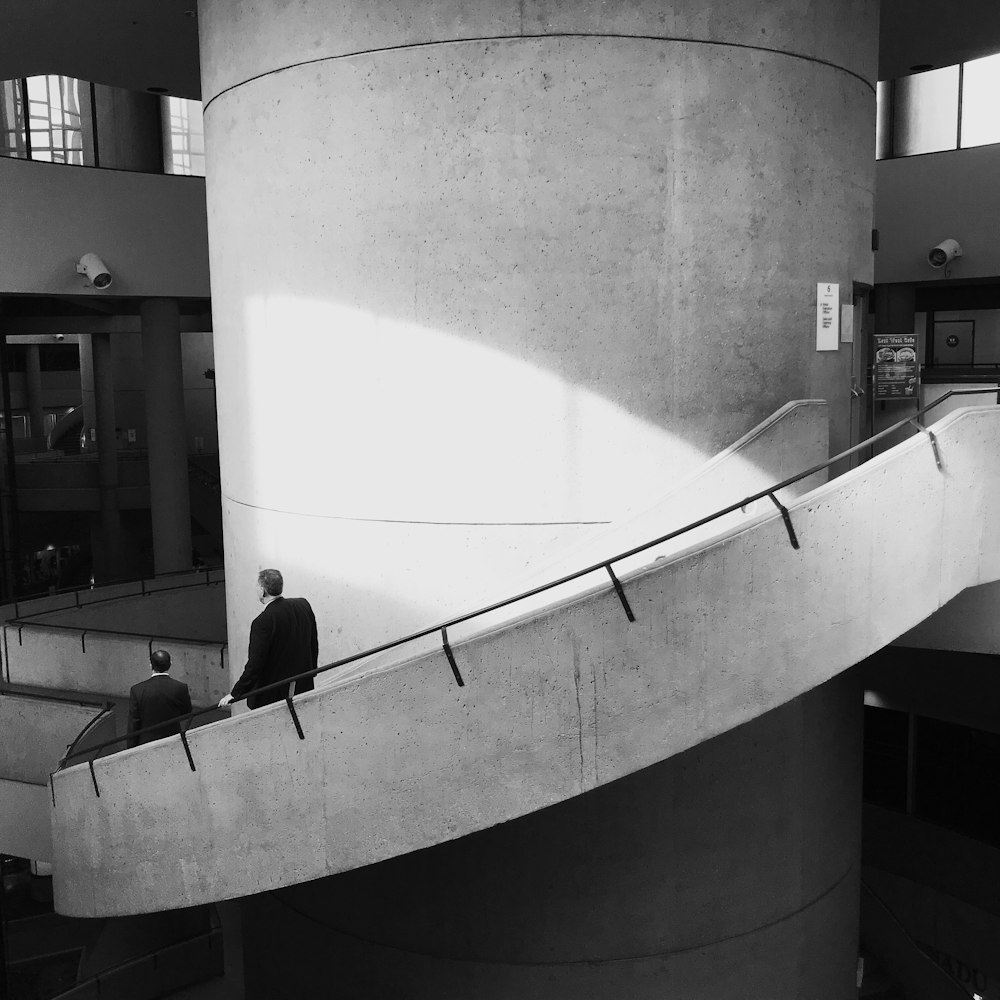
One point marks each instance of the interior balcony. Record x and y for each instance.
(541, 701)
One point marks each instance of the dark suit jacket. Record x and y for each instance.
(158, 699)
(283, 642)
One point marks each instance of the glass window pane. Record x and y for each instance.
(981, 102)
(925, 116)
(55, 118)
(12, 127)
(883, 97)
(183, 136)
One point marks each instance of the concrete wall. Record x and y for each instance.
(518, 266)
(34, 736)
(734, 862)
(67, 657)
(554, 704)
(148, 229)
(109, 664)
(969, 622)
(922, 200)
(36, 733)
(25, 830)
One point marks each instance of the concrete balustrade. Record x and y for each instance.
(77, 641)
(790, 441)
(74, 659)
(36, 733)
(553, 705)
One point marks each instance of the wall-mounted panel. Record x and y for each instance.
(148, 229)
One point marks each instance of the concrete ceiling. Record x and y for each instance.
(134, 44)
(154, 43)
(931, 32)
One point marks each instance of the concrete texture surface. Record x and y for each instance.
(510, 270)
(56, 213)
(25, 828)
(95, 663)
(555, 704)
(638, 889)
(36, 733)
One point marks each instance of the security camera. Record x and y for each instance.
(944, 253)
(60, 337)
(94, 268)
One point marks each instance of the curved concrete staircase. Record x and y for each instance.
(557, 699)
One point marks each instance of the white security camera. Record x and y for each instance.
(945, 252)
(60, 336)
(94, 268)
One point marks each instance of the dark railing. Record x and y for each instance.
(922, 969)
(106, 714)
(605, 564)
(86, 630)
(143, 590)
(173, 966)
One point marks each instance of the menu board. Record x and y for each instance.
(894, 367)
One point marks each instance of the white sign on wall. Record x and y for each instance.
(827, 316)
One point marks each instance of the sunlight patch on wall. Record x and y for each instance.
(350, 414)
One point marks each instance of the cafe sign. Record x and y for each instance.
(895, 371)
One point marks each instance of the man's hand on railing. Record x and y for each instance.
(226, 700)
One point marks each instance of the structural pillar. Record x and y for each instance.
(510, 269)
(108, 564)
(33, 375)
(165, 431)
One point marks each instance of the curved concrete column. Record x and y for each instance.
(486, 274)
(33, 383)
(169, 496)
(728, 870)
(109, 554)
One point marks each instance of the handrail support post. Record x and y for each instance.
(451, 657)
(934, 445)
(786, 517)
(620, 592)
(187, 749)
(295, 718)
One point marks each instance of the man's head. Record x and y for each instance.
(159, 660)
(270, 584)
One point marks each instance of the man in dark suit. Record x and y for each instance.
(283, 643)
(156, 701)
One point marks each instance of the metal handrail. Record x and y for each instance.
(604, 564)
(20, 623)
(107, 709)
(213, 932)
(915, 945)
(142, 592)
